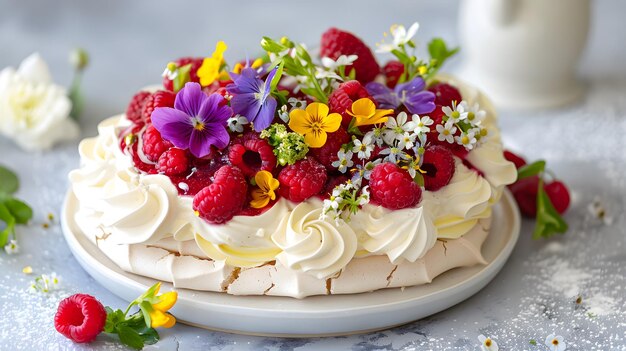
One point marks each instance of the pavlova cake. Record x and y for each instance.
(296, 175)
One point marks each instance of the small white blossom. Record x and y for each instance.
(474, 114)
(324, 74)
(365, 196)
(400, 35)
(342, 60)
(171, 71)
(555, 343)
(394, 154)
(456, 113)
(446, 132)
(364, 148)
(12, 247)
(296, 103)
(283, 113)
(419, 124)
(344, 160)
(487, 344)
(407, 141)
(376, 135)
(236, 123)
(468, 140)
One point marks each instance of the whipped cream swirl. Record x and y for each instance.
(312, 245)
(498, 171)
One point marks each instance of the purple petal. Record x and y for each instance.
(199, 143)
(414, 86)
(209, 107)
(246, 105)
(268, 83)
(190, 98)
(245, 83)
(174, 125)
(421, 102)
(266, 114)
(384, 96)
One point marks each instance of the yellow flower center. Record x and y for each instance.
(555, 342)
(465, 140)
(488, 342)
(198, 124)
(446, 132)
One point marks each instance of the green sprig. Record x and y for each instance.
(548, 221)
(79, 58)
(12, 210)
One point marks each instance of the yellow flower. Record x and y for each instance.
(209, 71)
(364, 111)
(158, 310)
(267, 184)
(239, 66)
(314, 123)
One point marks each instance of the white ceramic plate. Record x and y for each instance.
(316, 315)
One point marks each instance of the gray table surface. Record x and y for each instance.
(533, 296)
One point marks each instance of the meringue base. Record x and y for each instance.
(186, 266)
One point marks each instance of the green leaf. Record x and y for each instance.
(130, 337)
(439, 51)
(6, 217)
(21, 211)
(419, 179)
(277, 76)
(532, 169)
(182, 77)
(145, 308)
(268, 44)
(149, 335)
(549, 221)
(8, 181)
(533, 342)
(302, 53)
(113, 319)
(402, 57)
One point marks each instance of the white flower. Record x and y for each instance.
(12, 247)
(487, 343)
(407, 140)
(342, 60)
(33, 110)
(468, 140)
(321, 73)
(376, 135)
(236, 123)
(396, 128)
(363, 148)
(296, 103)
(400, 35)
(171, 71)
(555, 343)
(474, 114)
(365, 195)
(283, 113)
(419, 124)
(446, 132)
(394, 154)
(344, 160)
(456, 113)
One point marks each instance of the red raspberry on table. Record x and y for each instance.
(161, 98)
(336, 42)
(153, 144)
(327, 154)
(393, 70)
(393, 187)
(224, 198)
(133, 111)
(252, 154)
(525, 192)
(445, 94)
(342, 98)
(559, 195)
(80, 318)
(173, 162)
(196, 62)
(438, 162)
(516, 159)
(302, 180)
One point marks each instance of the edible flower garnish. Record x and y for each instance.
(265, 192)
(410, 94)
(196, 122)
(314, 123)
(252, 98)
(209, 71)
(365, 113)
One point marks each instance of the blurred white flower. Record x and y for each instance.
(555, 343)
(400, 36)
(487, 343)
(34, 111)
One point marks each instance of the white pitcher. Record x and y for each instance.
(524, 53)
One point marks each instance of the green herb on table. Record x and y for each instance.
(13, 211)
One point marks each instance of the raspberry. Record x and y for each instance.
(302, 180)
(336, 42)
(559, 196)
(393, 70)
(153, 145)
(516, 159)
(438, 162)
(80, 318)
(445, 94)
(160, 98)
(525, 193)
(133, 111)
(224, 198)
(252, 154)
(196, 62)
(393, 188)
(173, 162)
(327, 154)
(342, 98)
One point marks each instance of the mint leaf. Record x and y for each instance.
(130, 337)
(6, 217)
(532, 169)
(8, 181)
(113, 319)
(21, 211)
(549, 221)
(439, 51)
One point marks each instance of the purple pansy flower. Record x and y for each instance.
(196, 122)
(410, 94)
(251, 97)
